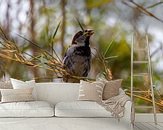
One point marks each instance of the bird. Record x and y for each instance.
(77, 59)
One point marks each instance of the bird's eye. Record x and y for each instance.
(86, 31)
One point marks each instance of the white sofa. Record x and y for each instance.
(63, 113)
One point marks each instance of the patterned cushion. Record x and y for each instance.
(91, 91)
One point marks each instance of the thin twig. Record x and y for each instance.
(45, 52)
(6, 38)
(142, 9)
(144, 98)
(52, 42)
(80, 24)
(154, 5)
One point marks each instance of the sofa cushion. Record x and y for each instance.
(18, 84)
(80, 109)
(26, 109)
(91, 91)
(111, 88)
(16, 95)
(5, 85)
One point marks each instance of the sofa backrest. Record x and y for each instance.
(57, 92)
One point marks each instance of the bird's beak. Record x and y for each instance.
(89, 32)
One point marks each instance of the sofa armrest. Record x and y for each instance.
(128, 112)
(127, 119)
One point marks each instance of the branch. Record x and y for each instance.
(144, 98)
(154, 5)
(10, 50)
(141, 9)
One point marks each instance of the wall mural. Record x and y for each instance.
(76, 62)
(45, 54)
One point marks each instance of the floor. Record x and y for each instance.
(145, 122)
(142, 122)
(148, 126)
(63, 124)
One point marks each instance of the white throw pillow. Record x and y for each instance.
(5, 85)
(80, 109)
(18, 84)
(16, 95)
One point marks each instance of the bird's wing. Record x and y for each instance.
(68, 53)
(75, 63)
(68, 59)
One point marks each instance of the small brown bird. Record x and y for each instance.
(77, 59)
